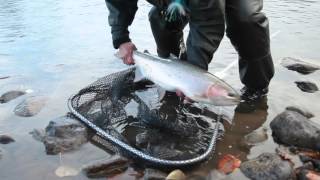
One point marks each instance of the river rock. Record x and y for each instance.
(66, 171)
(257, 136)
(106, 167)
(4, 77)
(64, 134)
(154, 174)
(38, 134)
(299, 66)
(10, 95)
(306, 174)
(30, 106)
(292, 128)
(300, 110)
(267, 166)
(5, 139)
(307, 86)
(176, 175)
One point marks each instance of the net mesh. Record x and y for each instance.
(138, 115)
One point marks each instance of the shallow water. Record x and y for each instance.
(55, 48)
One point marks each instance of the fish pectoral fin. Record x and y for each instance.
(161, 92)
(138, 76)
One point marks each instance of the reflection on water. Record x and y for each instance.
(36, 37)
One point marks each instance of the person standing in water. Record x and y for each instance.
(247, 28)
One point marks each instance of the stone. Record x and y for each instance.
(300, 110)
(256, 137)
(228, 163)
(293, 129)
(176, 175)
(64, 134)
(267, 166)
(5, 139)
(4, 77)
(30, 106)
(299, 66)
(10, 95)
(38, 134)
(307, 86)
(106, 167)
(66, 171)
(154, 174)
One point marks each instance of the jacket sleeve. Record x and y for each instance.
(121, 15)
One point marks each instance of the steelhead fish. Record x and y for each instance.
(194, 82)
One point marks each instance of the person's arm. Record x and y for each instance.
(121, 15)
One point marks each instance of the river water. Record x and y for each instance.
(55, 48)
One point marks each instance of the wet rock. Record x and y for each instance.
(257, 136)
(300, 110)
(267, 166)
(292, 128)
(5, 139)
(305, 174)
(66, 171)
(30, 106)
(307, 86)
(106, 167)
(8, 96)
(4, 77)
(176, 175)
(314, 162)
(287, 154)
(153, 174)
(64, 134)
(228, 163)
(299, 66)
(38, 134)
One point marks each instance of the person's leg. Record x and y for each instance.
(248, 30)
(206, 31)
(168, 36)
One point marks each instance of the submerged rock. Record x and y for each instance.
(153, 174)
(300, 110)
(8, 96)
(228, 163)
(4, 77)
(267, 166)
(38, 134)
(292, 128)
(62, 135)
(299, 66)
(66, 171)
(30, 106)
(106, 167)
(307, 86)
(176, 175)
(5, 139)
(257, 136)
(306, 174)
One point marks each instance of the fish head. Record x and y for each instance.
(222, 95)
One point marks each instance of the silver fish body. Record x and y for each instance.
(194, 82)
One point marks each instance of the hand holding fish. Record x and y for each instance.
(126, 52)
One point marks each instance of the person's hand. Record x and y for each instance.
(126, 51)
